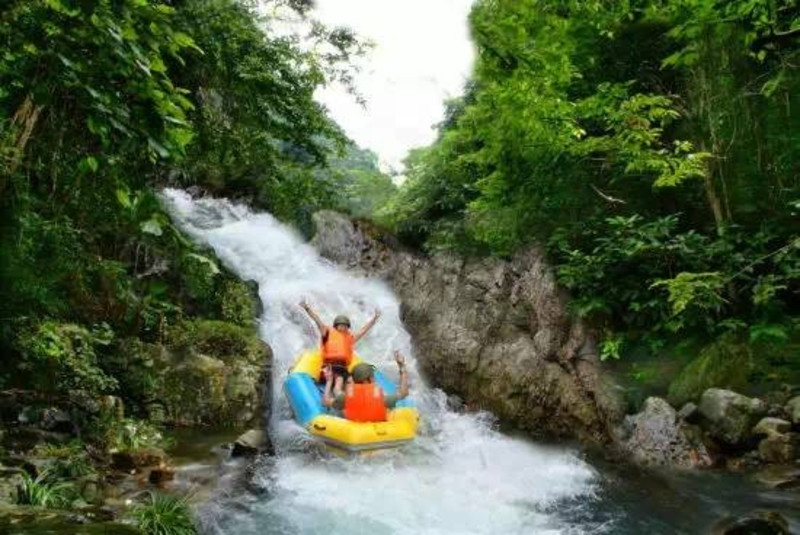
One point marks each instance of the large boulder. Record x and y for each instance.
(729, 417)
(206, 373)
(495, 332)
(657, 437)
(769, 426)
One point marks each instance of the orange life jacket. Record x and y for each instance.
(363, 402)
(337, 347)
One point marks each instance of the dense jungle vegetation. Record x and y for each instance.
(102, 102)
(650, 146)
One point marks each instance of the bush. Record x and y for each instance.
(164, 515)
(70, 459)
(63, 356)
(236, 303)
(130, 435)
(217, 338)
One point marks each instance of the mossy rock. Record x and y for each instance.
(224, 340)
(207, 372)
(218, 377)
(727, 363)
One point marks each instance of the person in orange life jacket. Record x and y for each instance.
(338, 342)
(363, 400)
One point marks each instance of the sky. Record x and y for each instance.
(422, 56)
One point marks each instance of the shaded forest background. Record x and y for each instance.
(649, 147)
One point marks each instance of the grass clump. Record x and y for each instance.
(43, 492)
(162, 514)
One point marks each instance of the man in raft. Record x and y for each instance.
(363, 400)
(338, 342)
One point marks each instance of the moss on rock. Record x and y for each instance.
(727, 364)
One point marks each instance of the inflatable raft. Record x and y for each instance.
(305, 397)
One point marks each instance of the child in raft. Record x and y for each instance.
(338, 342)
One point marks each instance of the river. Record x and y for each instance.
(461, 475)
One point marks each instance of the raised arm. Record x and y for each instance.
(313, 315)
(367, 326)
(401, 365)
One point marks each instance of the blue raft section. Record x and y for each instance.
(305, 395)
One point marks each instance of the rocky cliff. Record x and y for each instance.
(495, 332)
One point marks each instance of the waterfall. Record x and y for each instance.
(461, 475)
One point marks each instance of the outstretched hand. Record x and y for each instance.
(304, 304)
(377, 314)
(399, 359)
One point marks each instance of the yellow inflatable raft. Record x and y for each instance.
(305, 397)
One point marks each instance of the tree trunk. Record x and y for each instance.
(25, 118)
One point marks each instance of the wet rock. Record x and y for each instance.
(769, 426)
(24, 520)
(744, 462)
(35, 466)
(258, 306)
(657, 438)
(496, 333)
(755, 523)
(161, 475)
(89, 488)
(689, 413)
(10, 480)
(56, 420)
(779, 477)
(780, 448)
(251, 443)
(136, 460)
(729, 417)
(793, 410)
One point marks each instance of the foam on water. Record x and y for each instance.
(461, 476)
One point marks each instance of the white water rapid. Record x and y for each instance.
(461, 476)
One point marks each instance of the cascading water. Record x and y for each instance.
(459, 477)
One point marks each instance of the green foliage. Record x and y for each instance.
(43, 492)
(363, 188)
(649, 144)
(218, 338)
(237, 303)
(198, 274)
(260, 131)
(129, 434)
(700, 290)
(164, 515)
(100, 104)
(64, 356)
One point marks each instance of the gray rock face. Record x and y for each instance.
(728, 416)
(494, 332)
(658, 438)
(793, 410)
